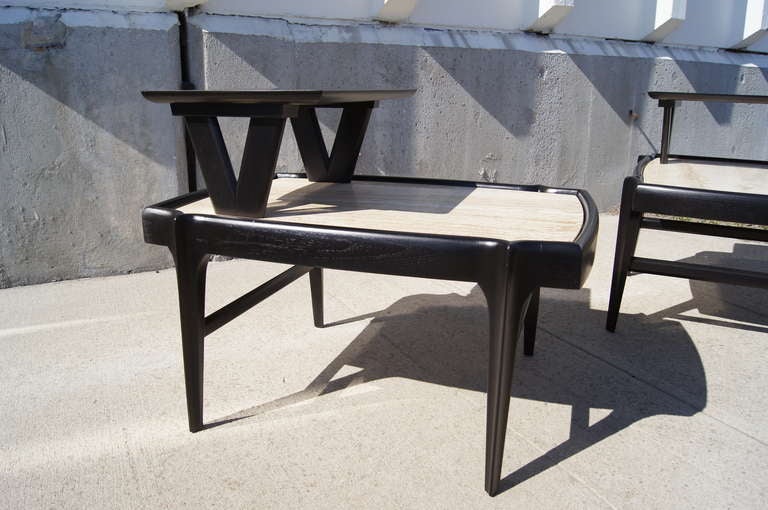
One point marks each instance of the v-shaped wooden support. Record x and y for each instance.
(248, 194)
(340, 165)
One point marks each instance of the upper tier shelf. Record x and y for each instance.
(294, 97)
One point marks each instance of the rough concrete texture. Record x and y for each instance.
(385, 407)
(80, 150)
(504, 107)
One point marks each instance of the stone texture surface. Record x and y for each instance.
(385, 407)
(512, 108)
(81, 152)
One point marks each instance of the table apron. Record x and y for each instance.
(549, 264)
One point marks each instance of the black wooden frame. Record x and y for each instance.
(668, 101)
(510, 273)
(247, 194)
(684, 206)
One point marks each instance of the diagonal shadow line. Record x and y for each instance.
(581, 435)
(672, 310)
(579, 440)
(357, 318)
(724, 304)
(316, 388)
(721, 323)
(642, 132)
(321, 385)
(288, 400)
(58, 73)
(459, 360)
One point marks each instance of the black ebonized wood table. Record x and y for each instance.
(694, 194)
(511, 240)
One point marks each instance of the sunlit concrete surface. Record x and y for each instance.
(385, 407)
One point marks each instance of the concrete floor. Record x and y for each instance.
(386, 408)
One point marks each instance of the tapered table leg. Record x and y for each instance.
(316, 287)
(507, 300)
(191, 264)
(626, 242)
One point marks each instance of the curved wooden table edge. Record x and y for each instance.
(557, 264)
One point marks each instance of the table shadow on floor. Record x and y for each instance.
(443, 339)
(724, 305)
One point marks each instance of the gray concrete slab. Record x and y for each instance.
(504, 107)
(385, 408)
(81, 152)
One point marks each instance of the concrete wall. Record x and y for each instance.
(80, 150)
(738, 24)
(513, 108)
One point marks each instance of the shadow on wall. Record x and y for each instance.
(271, 62)
(621, 82)
(564, 118)
(97, 73)
(80, 150)
(580, 365)
(737, 130)
(716, 79)
(511, 86)
(441, 132)
(569, 114)
(505, 85)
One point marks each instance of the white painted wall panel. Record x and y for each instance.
(625, 19)
(669, 15)
(755, 23)
(551, 14)
(714, 23)
(335, 9)
(489, 14)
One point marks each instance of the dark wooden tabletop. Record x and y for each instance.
(721, 98)
(297, 97)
